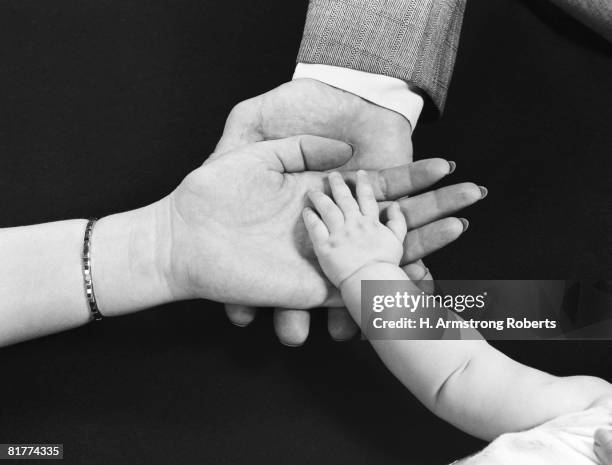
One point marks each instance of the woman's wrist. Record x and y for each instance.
(130, 255)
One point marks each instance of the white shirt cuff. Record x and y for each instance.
(385, 91)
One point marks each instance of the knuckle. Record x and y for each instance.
(381, 183)
(360, 225)
(409, 221)
(412, 251)
(334, 242)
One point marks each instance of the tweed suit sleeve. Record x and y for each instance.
(412, 40)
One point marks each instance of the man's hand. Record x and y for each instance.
(380, 139)
(235, 229)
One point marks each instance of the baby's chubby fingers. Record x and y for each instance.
(342, 195)
(365, 196)
(328, 211)
(316, 228)
(397, 222)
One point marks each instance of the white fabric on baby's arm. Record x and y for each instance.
(385, 91)
(566, 440)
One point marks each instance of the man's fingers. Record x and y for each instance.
(343, 195)
(240, 315)
(603, 446)
(397, 222)
(328, 211)
(416, 271)
(291, 326)
(422, 241)
(440, 203)
(317, 231)
(303, 153)
(340, 324)
(419, 274)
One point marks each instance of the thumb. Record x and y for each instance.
(242, 126)
(304, 153)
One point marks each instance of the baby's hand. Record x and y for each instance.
(348, 236)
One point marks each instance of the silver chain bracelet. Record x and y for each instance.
(88, 281)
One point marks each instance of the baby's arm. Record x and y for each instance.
(468, 383)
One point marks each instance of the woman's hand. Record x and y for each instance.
(235, 232)
(232, 231)
(235, 229)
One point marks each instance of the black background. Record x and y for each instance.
(105, 105)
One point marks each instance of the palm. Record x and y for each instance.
(263, 241)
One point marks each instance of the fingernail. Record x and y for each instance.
(603, 437)
(465, 223)
(483, 191)
(423, 273)
(452, 166)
